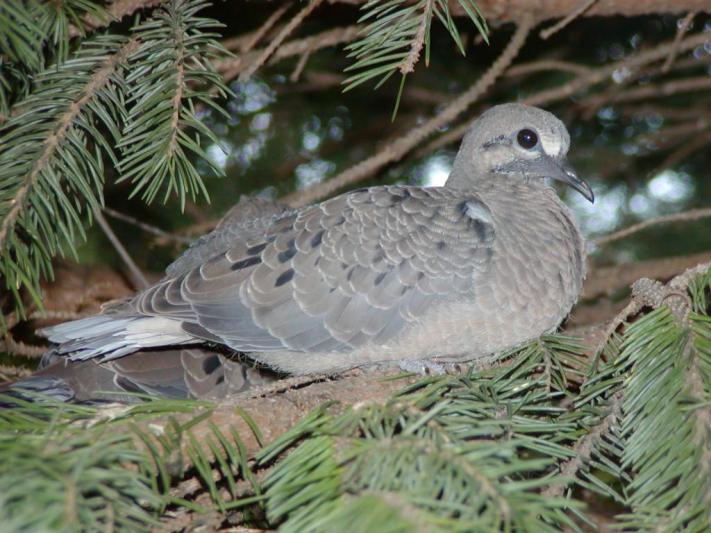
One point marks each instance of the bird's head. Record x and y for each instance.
(520, 142)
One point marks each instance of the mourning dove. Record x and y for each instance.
(389, 273)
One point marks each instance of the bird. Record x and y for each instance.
(387, 274)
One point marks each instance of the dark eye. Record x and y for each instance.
(527, 139)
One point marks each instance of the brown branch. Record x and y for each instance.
(64, 123)
(686, 216)
(299, 68)
(669, 88)
(575, 13)
(279, 39)
(398, 148)
(684, 26)
(682, 152)
(502, 11)
(171, 237)
(14, 347)
(117, 10)
(229, 68)
(546, 65)
(603, 281)
(264, 28)
(139, 279)
(179, 91)
(278, 409)
(584, 448)
(408, 64)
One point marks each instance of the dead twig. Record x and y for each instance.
(264, 28)
(179, 239)
(603, 281)
(683, 27)
(575, 13)
(686, 216)
(15, 347)
(279, 39)
(669, 88)
(299, 68)
(138, 277)
(230, 68)
(116, 10)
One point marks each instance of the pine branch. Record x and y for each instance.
(28, 28)
(667, 387)
(170, 75)
(51, 161)
(65, 476)
(396, 33)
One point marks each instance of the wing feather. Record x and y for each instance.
(356, 269)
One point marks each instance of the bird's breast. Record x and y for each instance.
(538, 263)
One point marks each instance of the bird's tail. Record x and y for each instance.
(107, 337)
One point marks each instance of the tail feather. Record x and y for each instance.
(108, 337)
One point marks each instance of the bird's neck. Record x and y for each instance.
(471, 178)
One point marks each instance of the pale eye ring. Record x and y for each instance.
(527, 138)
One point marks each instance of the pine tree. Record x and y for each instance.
(518, 445)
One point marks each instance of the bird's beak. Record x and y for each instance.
(558, 169)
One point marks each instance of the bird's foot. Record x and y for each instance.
(426, 367)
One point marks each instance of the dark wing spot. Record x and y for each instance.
(284, 277)
(244, 263)
(379, 278)
(211, 364)
(220, 380)
(126, 384)
(284, 225)
(287, 254)
(284, 256)
(257, 249)
(316, 239)
(441, 245)
(480, 228)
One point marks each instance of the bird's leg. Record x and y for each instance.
(431, 367)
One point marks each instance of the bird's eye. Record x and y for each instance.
(527, 138)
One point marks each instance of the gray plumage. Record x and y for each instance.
(388, 273)
(198, 373)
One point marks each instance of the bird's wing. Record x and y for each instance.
(246, 219)
(199, 373)
(334, 276)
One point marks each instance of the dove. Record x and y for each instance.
(379, 275)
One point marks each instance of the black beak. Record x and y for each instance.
(548, 167)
